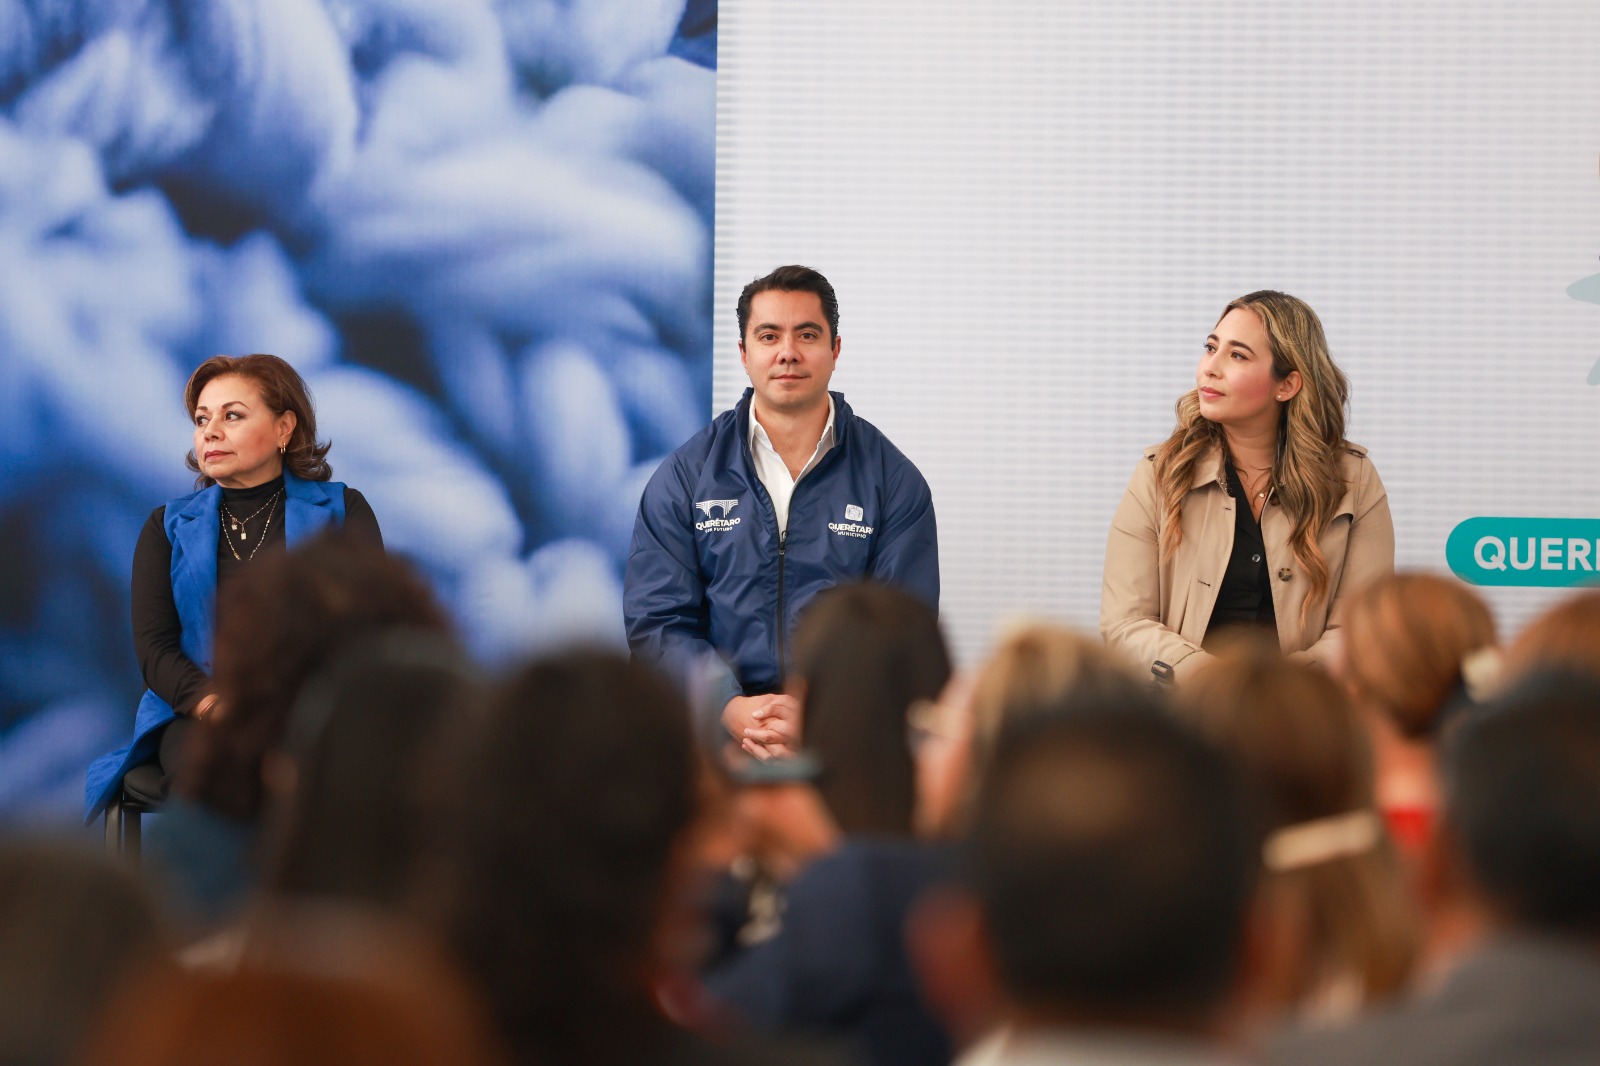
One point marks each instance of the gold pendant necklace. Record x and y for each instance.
(238, 524)
(237, 527)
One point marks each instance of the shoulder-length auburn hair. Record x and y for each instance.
(1306, 477)
(282, 389)
(1407, 639)
(1565, 637)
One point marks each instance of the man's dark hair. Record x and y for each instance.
(555, 843)
(73, 927)
(1522, 799)
(1113, 853)
(867, 653)
(791, 279)
(362, 734)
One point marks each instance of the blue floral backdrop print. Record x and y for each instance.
(480, 228)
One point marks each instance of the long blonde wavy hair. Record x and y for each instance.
(1305, 474)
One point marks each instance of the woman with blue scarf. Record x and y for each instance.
(263, 484)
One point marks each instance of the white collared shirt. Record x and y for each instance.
(774, 472)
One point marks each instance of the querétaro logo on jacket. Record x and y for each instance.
(715, 525)
(851, 526)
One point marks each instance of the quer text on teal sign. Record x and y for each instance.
(1535, 552)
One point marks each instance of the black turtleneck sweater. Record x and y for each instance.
(157, 632)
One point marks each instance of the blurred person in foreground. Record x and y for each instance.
(350, 779)
(1341, 924)
(1565, 637)
(1037, 667)
(1520, 843)
(1107, 881)
(72, 927)
(392, 1004)
(262, 482)
(327, 963)
(787, 494)
(1419, 650)
(279, 625)
(824, 952)
(347, 789)
(563, 867)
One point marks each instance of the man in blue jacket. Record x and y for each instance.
(785, 495)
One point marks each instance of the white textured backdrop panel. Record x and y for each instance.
(1033, 212)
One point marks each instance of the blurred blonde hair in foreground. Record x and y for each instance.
(1344, 928)
(1037, 666)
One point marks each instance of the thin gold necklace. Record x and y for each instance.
(271, 507)
(1266, 485)
(238, 524)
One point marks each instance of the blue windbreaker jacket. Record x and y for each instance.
(708, 581)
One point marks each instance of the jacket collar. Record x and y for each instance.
(307, 508)
(843, 417)
(200, 503)
(209, 498)
(1210, 469)
(193, 536)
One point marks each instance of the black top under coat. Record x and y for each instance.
(1245, 598)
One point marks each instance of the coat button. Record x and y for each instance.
(1256, 558)
(1285, 574)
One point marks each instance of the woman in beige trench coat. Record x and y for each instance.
(1255, 510)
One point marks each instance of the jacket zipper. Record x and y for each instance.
(783, 543)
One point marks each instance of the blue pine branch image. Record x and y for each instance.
(1588, 290)
(481, 229)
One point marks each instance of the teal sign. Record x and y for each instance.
(1531, 552)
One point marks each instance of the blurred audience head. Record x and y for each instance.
(1566, 637)
(1343, 924)
(558, 845)
(348, 810)
(1522, 803)
(864, 655)
(1409, 643)
(278, 623)
(72, 926)
(400, 1008)
(1112, 856)
(1036, 668)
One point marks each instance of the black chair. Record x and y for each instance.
(144, 790)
